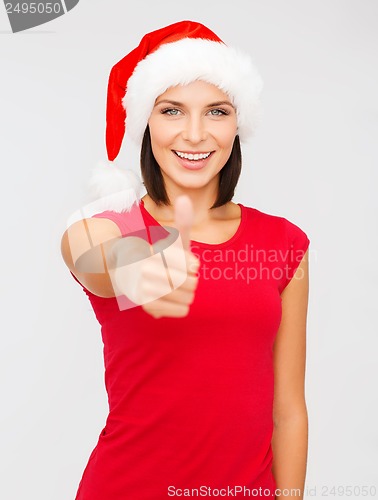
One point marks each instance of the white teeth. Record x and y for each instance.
(197, 156)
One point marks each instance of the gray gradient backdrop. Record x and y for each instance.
(313, 161)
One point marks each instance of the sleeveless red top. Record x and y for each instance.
(191, 399)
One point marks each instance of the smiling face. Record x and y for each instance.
(192, 130)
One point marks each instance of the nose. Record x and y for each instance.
(194, 130)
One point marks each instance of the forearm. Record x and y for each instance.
(290, 446)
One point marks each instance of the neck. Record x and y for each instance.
(202, 199)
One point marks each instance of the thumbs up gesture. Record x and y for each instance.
(182, 267)
(163, 278)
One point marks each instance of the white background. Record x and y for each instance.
(313, 161)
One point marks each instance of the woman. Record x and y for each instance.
(205, 378)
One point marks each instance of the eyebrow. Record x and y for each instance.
(176, 103)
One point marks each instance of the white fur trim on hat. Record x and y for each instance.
(114, 188)
(182, 62)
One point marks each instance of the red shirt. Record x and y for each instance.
(191, 399)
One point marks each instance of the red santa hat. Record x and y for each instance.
(177, 54)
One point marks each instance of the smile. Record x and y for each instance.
(193, 160)
(193, 156)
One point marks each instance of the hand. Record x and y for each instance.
(182, 267)
(161, 277)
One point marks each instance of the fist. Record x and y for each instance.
(163, 277)
(182, 266)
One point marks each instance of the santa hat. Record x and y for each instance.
(177, 54)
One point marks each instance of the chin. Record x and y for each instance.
(195, 184)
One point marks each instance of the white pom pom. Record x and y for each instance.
(114, 188)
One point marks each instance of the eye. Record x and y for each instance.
(218, 112)
(170, 111)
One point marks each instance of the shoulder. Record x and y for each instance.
(284, 240)
(128, 221)
(277, 225)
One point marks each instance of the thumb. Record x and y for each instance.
(184, 217)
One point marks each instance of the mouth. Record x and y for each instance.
(193, 160)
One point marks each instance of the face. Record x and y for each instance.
(192, 129)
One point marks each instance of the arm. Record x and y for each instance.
(290, 434)
(99, 257)
(86, 250)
